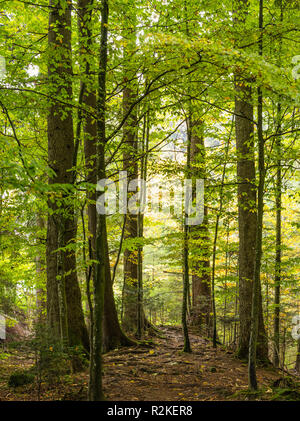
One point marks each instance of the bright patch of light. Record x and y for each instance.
(33, 70)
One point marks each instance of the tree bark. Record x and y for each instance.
(64, 307)
(130, 296)
(278, 188)
(113, 336)
(297, 366)
(185, 253)
(199, 240)
(252, 379)
(95, 392)
(276, 348)
(40, 292)
(214, 253)
(244, 129)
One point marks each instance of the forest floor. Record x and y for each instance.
(160, 372)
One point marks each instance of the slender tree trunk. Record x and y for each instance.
(219, 214)
(40, 292)
(276, 349)
(95, 385)
(185, 253)
(133, 315)
(297, 366)
(113, 336)
(105, 316)
(227, 263)
(130, 144)
(236, 311)
(186, 344)
(283, 348)
(89, 103)
(141, 318)
(252, 380)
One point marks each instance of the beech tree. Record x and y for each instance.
(201, 278)
(64, 307)
(244, 127)
(166, 91)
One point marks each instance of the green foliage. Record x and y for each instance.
(285, 395)
(20, 378)
(181, 57)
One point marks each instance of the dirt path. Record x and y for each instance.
(165, 373)
(158, 373)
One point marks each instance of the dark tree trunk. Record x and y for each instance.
(297, 366)
(185, 253)
(278, 187)
(133, 315)
(199, 240)
(246, 206)
(113, 336)
(256, 297)
(130, 295)
(185, 279)
(276, 349)
(95, 392)
(41, 291)
(77, 330)
(64, 307)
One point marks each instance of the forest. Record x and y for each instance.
(149, 201)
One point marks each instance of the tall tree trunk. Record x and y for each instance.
(185, 278)
(77, 330)
(252, 380)
(105, 316)
(113, 336)
(214, 254)
(133, 319)
(142, 323)
(89, 103)
(64, 307)
(278, 187)
(199, 239)
(185, 254)
(246, 204)
(95, 385)
(130, 296)
(276, 349)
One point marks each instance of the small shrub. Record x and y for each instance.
(286, 395)
(4, 356)
(53, 363)
(20, 378)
